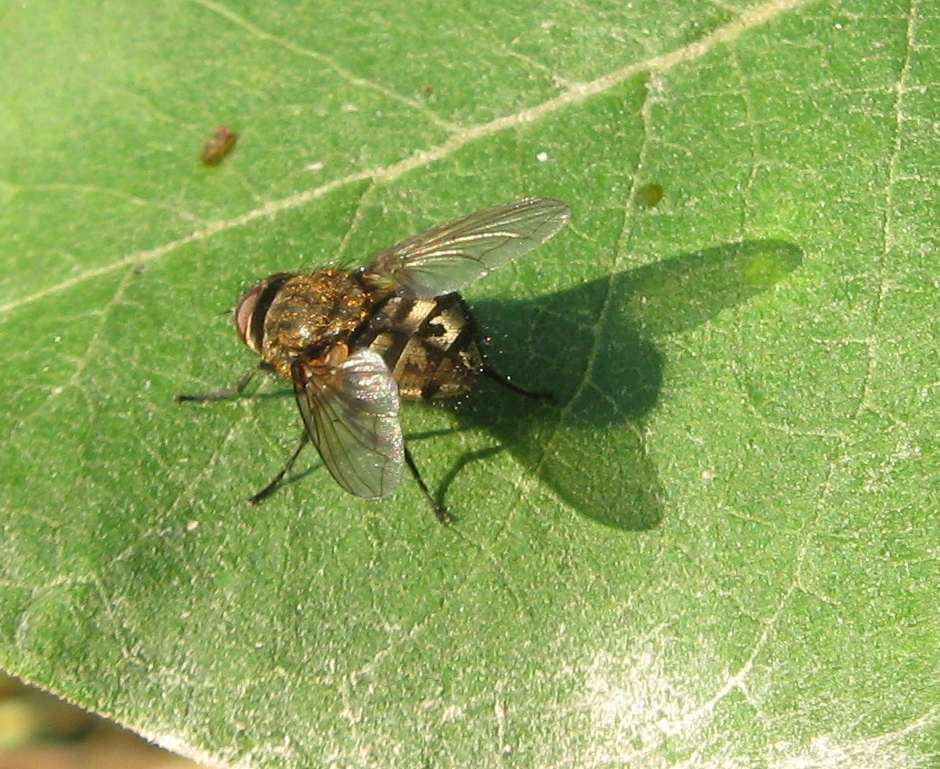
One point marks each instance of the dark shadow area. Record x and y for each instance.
(593, 347)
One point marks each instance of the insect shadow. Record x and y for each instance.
(594, 347)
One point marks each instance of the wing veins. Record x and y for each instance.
(440, 260)
(351, 414)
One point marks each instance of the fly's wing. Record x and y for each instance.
(453, 255)
(351, 413)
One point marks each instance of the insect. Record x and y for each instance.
(222, 142)
(355, 343)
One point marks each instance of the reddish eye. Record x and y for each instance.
(244, 313)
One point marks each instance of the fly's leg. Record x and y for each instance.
(491, 372)
(500, 379)
(266, 492)
(230, 392)
(442, 515)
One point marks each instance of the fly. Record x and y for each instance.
(355, 343)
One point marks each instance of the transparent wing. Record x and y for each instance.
(351, 413)
(453, 255)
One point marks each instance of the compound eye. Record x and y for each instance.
(244, 313)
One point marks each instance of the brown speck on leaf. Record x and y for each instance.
(221, 143)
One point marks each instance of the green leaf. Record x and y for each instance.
(718, 549)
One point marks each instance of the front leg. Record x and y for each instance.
(229, 392)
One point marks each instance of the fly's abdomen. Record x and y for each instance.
(431, 346)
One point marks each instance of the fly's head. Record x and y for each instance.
(252, 309)
(241, 318)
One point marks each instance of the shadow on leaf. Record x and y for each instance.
(592, 346)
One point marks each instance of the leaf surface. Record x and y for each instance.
(718, 549)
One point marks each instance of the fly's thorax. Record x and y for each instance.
(431, 346)
(308, 313)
